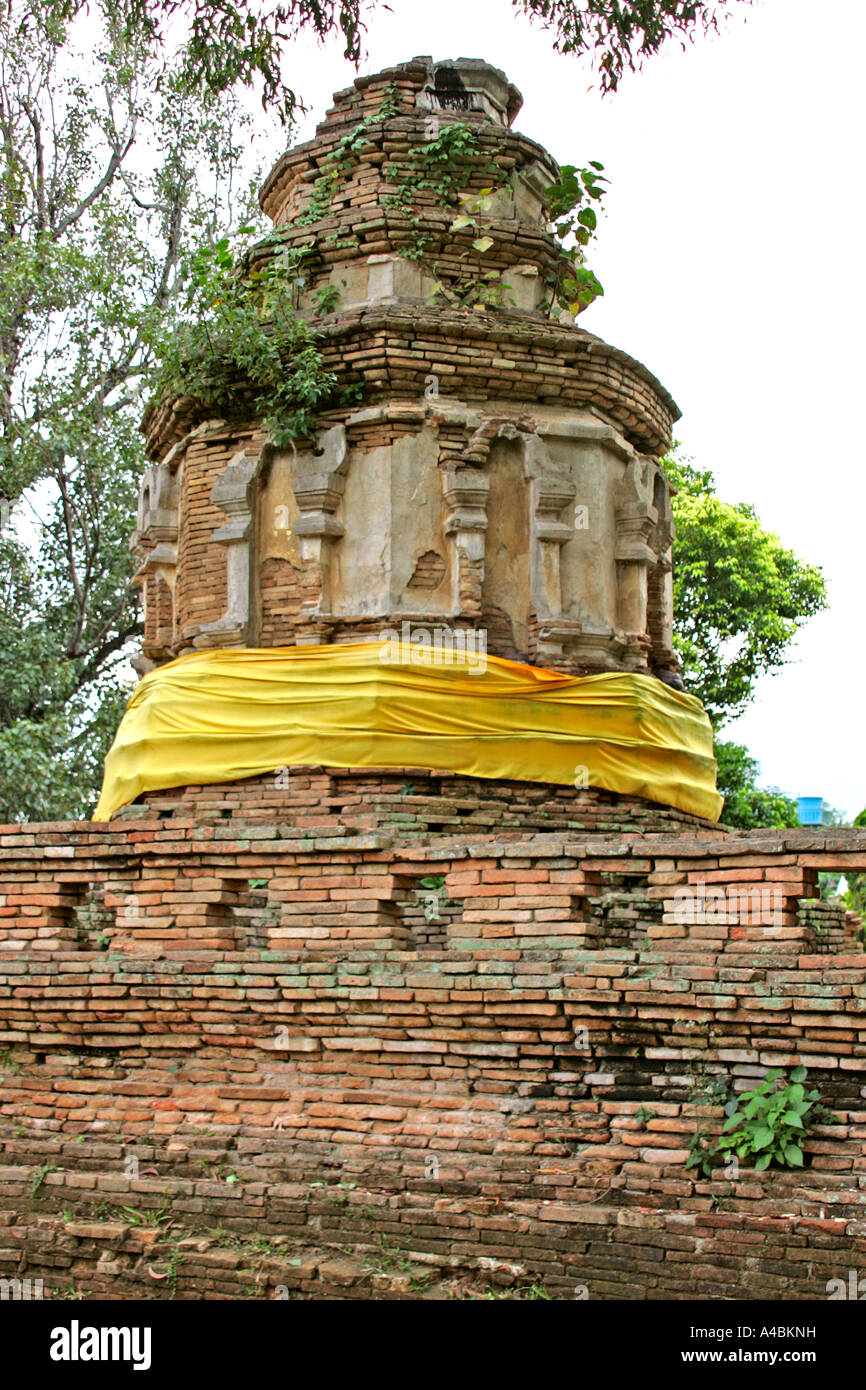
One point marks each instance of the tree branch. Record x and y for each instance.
(117, 157)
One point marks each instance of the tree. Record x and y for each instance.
(620, 35)
(108, 185)
(739, 599)
(740, 596)
(230, 41)
(747, 805)
(855, 898)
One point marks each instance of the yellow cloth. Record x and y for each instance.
(215, 716)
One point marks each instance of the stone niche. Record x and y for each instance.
(154, 542)
(501, 473)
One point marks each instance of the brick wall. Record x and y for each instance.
(239, 1062)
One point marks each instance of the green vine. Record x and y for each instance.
(339, 163)
(568, 205)
(437, 167)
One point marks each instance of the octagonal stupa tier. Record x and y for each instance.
(496, 470)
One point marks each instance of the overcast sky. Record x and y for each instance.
(733, 265)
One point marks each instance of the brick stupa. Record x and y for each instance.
(364, 1033)
(502, 471)
(500, 477)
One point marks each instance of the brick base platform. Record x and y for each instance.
(413, 803)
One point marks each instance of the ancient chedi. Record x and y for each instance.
(483, 470)
(502, 469)
(488, 1020)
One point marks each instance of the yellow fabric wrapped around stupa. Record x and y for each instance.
(215, 716)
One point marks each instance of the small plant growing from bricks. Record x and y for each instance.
(769, 1122)
(389, 1258)
(575, 285)
(526, 1293)
(764, 1126)
(8, 1063)
(40, 1175)
(159, 1216)
(174, 1260)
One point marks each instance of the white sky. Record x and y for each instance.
(732, 260)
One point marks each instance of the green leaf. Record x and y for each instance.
(483, 243)
(794, 1155)
(761, 1138)
(762, 1162)
(798, 1074)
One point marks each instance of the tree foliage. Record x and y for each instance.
(855, 898)
(618, 35)
(748, 806)
(740, 596)
(227, 42)
(106, 189)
